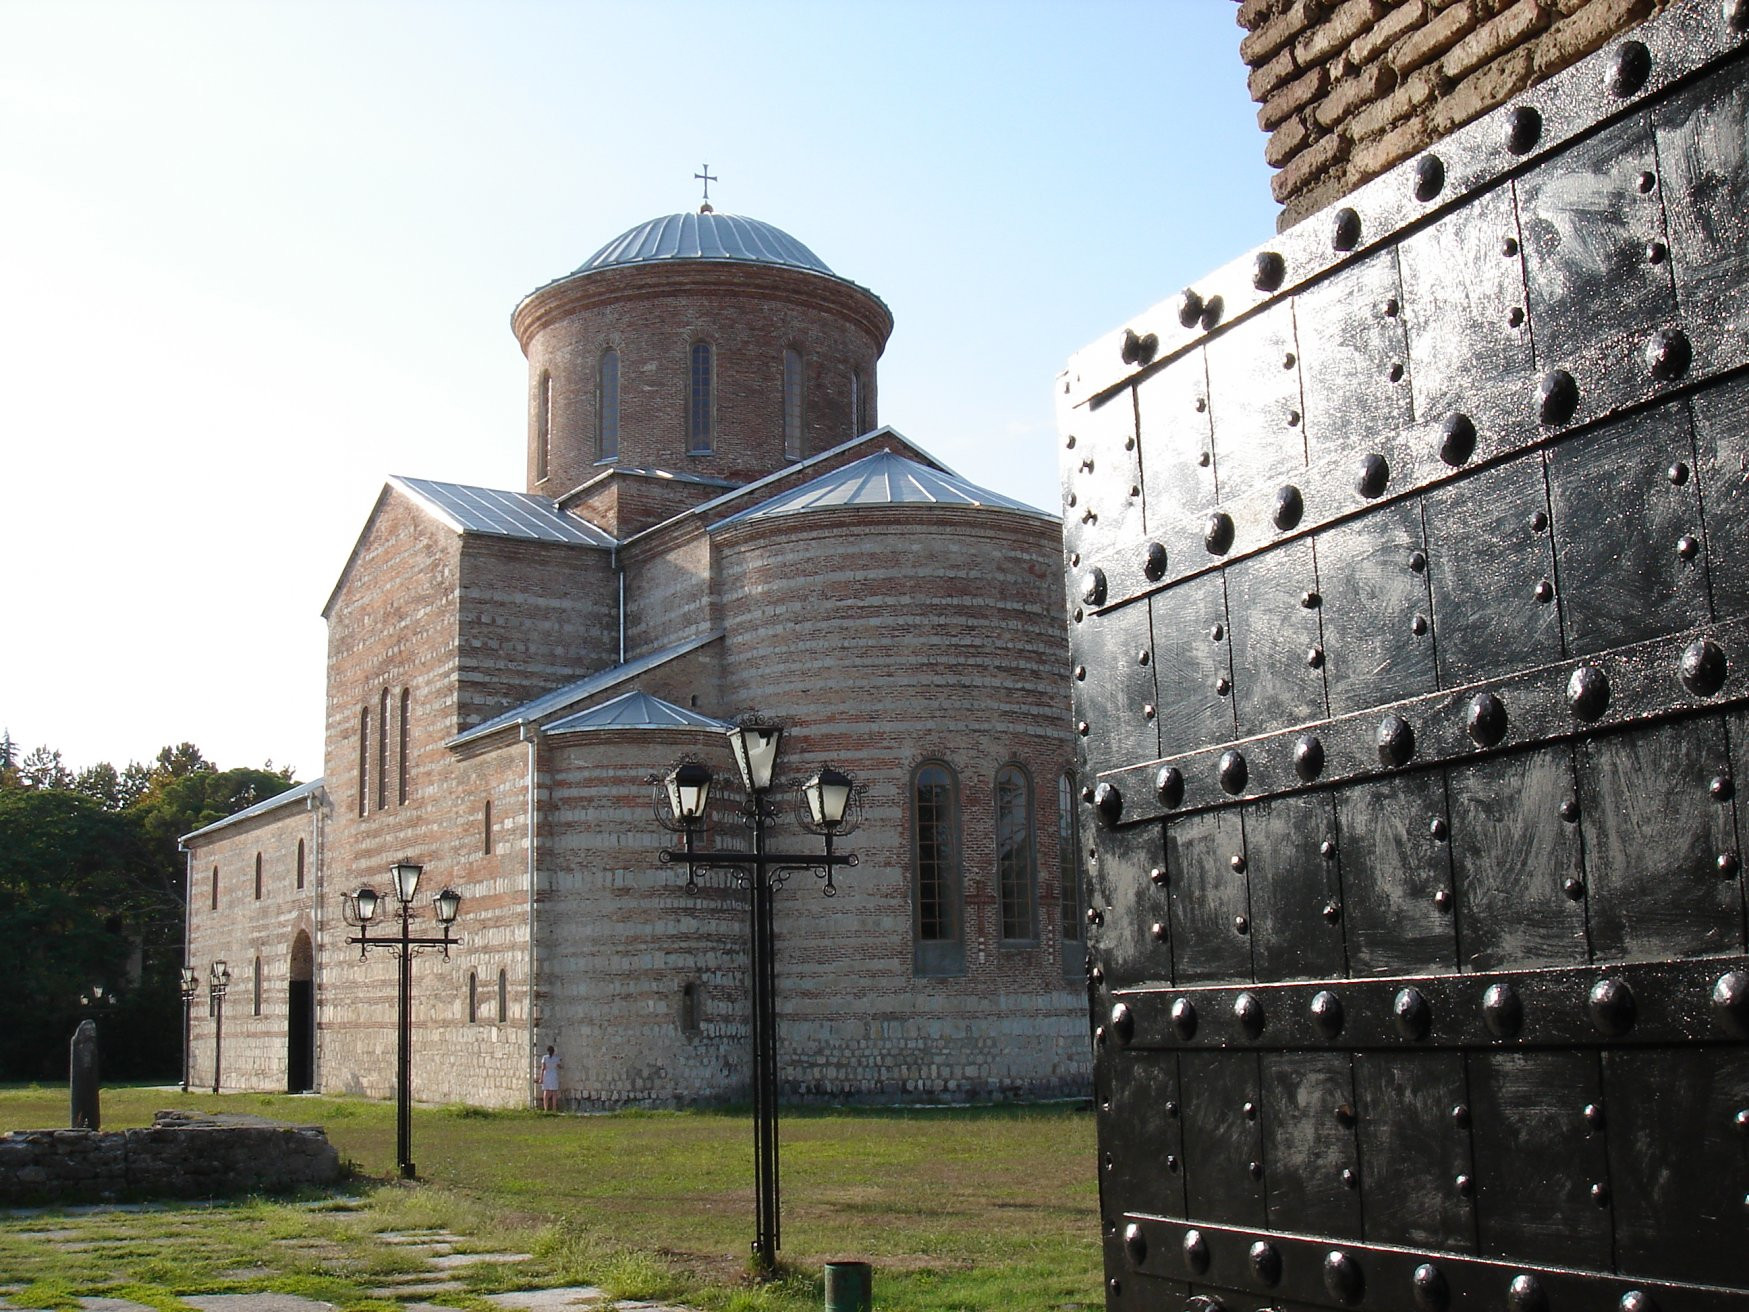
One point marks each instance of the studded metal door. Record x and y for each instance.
(1409, 570)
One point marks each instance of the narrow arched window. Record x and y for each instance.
(937, 913)
(383, 750)
(543, 423)
(857, 426)
(607, 407)
(300, 863)
(1016, 859)
(699, 401)
(406, 741)
(486, 829)
(1069, 877)
(691, 1007)
(215, 888)
(792, 404)
(503, 997)
(258, 876)
(473, 997)
(257, 1010)
(364, 761)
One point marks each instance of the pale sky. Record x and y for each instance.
(255, 257)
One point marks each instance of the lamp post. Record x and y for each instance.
(218, 980)
(190, 986)
(829, 796)
(361, 909)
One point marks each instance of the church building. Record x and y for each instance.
(714, 526)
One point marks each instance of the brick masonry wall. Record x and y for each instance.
(1348, 88)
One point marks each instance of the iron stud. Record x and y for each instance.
(1189, 308)
(1310, 600)
(1600, 1194)
(1172, 1162)
(1345, 232)
(1645, 182)
(1327, 1013)
(1233, 772)
(1315, 658)
(1418, 625)
(1394, 371)
(1465, 1186)
(1332, 912)
(1154, 562)
(1158, 875)
(1731, 1003)
(1108, 801)
(1524, 127)
(1217, 632)
(1254, 1169)
(1544, 591)
(1736, 14)
(1123, 1023)
(1668, 352)
(1327, 849)
(1308, 758)
(1290, 507)
(1502, 1012)
(1569, 810)
(1515, 317)
(1588, 692)
(1703, 667)
(1237, 862)
(1431, 1292)
(1217, 533)
(1411, 1014)
(1342, 1274)
(1169, 786)
(1080, 673)
(1375, 472)
(1148, 711)
(1460, 1116)
(1350, 1178)
(1727, 864)
(1183, 1018)
(1268, 271)
(1721, 788)
(1486, 720)
(1525, 1294)
(1539, 522)
(1202, 459)
(1241, 925)
(1687, 546)
(1457, 439)
(1144, 656)
(1418, 562)
(1391, 308)
(1611, 1003)
(1093, 587)
(1573, 887)
(1223, 686)
(1265, 1262)
(1395, 741)
(1677, 474)
(1135, 1242)
(1638, 1300)
(1158, 931)
(1250, 1111)
(1248, 1011)
(1509, 247)
(1655, 252)
(1633, 65)
(1557, 397)
(1442, 899)
(1594, 1119)
(1136, 349)
(1429, 177)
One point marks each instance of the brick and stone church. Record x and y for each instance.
(714, 525)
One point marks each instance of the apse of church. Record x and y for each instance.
(713, 525)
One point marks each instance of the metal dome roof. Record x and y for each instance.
(706, 236)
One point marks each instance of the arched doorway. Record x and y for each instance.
(300, 1030)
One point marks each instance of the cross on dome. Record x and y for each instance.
(707, 177)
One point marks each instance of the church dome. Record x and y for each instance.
(705, 236)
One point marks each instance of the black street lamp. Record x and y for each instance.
(830, 797)
(190, 986)
(218, 980)
(361, 908)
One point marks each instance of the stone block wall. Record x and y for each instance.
(1347, 88)
(178, 1156)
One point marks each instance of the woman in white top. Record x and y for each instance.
(549, 1080)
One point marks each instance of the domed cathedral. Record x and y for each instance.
(713, 527)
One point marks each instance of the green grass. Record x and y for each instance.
(959, 1210)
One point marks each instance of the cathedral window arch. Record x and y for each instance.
(258, 876)
(937, 901)
(300, 863)
(701, 400)
(1016, 856)
(364, 762)
(792, 403)
(607, 406)
(405, 742)
(383, 750)
(543, 424)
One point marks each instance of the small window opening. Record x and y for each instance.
(690, 1008)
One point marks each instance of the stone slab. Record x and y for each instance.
(255, 1303)
(450, 1260)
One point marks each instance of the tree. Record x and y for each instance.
(42, 768)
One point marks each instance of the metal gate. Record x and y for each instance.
(1409, 574)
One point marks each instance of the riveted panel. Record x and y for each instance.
(1538, 1158)
(1721, 428)
(1658, 816)
(1309, 1143)
(1396, 875)
(1628, 541)
(1354, 357)
(1116, 719)
(1147, 1174)
(1192, 656)
(1101, 465)
(1129, 884)
(1414, 1132)
(1377, 611)
(1278, 676)
(1223, 1140)
(1679, 1146)
(1172, 408)
(1211, 906)
(1254, 398)
(1493, 573)
(1295, 887)
(1517, 861)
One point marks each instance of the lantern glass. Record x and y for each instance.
(828, 794)
(190, 981)
(448, 903)
(406, 876)
(221, 974)
(689, 789)
(365, 903)
(756, 753)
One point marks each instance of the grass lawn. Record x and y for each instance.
(959, 1210)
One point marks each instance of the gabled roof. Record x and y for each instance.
(636, 710)
(883, 478)
(572, 693)
(496, 513)
(291, 795)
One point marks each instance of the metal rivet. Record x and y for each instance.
(1241, 925)
(1588, 692)
(1158, 931)
(1509, 247)
(1290, 506)
(1411, 1014)
(1169, 786)
(1293, 418)
(1460, 1116)
(1327, 849)
(1223, 686)
(1539, 522)
(1108, 801)
(1394, 371)
(1189, 308)
(1265, 1262)
(1233, 772)
(1502, 1012)
(1515, 317)
(1638, 1300)
(1524, 127)
(1093, 916)
(1327, 1013)
(1183, 1018)
(1375, 473)
(1727, 864)
(1731, 1003)
(1217, 532)
(1486, 720)
(1171, 1110)
(1350, 1178)
(1395, 741)
(1418, 625)
(1594, 1118)
(1308, 758)
(1436, 829)
(1148, 711)
(1217, 632)
(1345, 231)
(1632, 66)
(1345, 1116)
(1069, 441)
(1703, 667)
(1721, 788)
(1525, 1294)
(1442, 899)
(1083, 728)
(1078, 615)
(1310, 600)
(1457, 439)
(1268, 271)
(1418, 562)
(1668, 354)
(1250, 1111)
(1123, 1023)
(1569, 810)
(1557, 397)
(1080, 673)
(1138, 350)
(1465, 1186)
(1645, 182)
(1144, 656)
(1429, 177)
(1611, 1003)
(1202, 457)
(1289, 360)
(1248, 1011)
(1391, 308)
(1544, 591)
(1677, 474)
(1158, 874)
(1087, 792)
(1237, 862)
(1342, 1275)
(1135, 1242)
(1114, 1286)
(1655, 252)
(1254, 1169)
(1573, 887)
(1333, 912)
(1315, 658)
(1172, 1163)
(1734, 12)
(1154, 562)
(1431, 1292)
(1600, 1194)
(1687, 546)
(1093, 587)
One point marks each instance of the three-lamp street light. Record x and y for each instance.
(218, 980)
(361, 910)
(829, 807)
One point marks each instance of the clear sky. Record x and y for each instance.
(258, 255)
